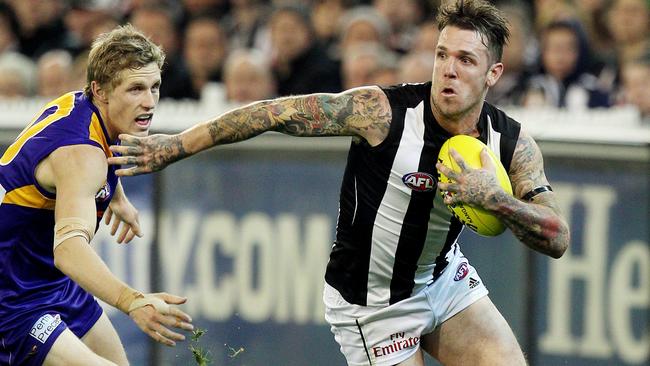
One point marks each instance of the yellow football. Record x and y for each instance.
(475, 218)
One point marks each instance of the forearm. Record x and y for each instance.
(538, 226)
(237, 125)
(77, 260)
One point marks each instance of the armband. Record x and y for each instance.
(70, 227)
(528, 196)
(131, 299)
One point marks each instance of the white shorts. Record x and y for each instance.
(389, 335)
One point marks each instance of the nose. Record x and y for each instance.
(149, 100)
(449, 69)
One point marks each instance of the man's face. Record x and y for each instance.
(462, 72)
(130, 105)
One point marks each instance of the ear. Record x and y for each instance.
(99, 93)
(494, 73)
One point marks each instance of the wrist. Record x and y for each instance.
(126, 298)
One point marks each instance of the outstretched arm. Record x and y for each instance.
(536, 222)
(77, 172)
(363, 112)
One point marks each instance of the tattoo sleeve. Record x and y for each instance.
(539, 223)
(364, 112)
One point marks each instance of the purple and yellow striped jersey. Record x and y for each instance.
(28, 277)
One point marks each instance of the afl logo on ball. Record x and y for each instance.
(461, 271)
(418, 181)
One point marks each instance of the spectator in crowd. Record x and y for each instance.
(629, 24)
(16, 75)
(402, 16)
(81, 22)
(247, 77)
(362, 24)
(323, 14)
(9, 29)
(426, 38)
(54, 73)
(204, 52)
(564, 81)
(369, 64)
(245, 22)
(41, 27)
(300, 64)
(635, 80)
(416, 67)
(592, 15)
(518, 59)
(157, 22)
(78, 73)
(195, 8)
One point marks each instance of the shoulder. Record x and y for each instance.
(407, 95)
(79, 161)
(500, 120)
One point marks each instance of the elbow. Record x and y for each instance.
(60, 259)
(561, 243)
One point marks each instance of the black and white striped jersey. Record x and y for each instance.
(393, 230)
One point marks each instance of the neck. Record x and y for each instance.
(463, 123)
(102, 108)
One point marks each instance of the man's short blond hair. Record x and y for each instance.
(122, 48)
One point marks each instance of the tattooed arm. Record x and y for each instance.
(363, 112)
(537, 223)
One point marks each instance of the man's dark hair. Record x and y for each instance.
(479, 16)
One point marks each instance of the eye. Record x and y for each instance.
(441, 55)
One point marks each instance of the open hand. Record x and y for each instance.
(157, 319)
(146, 154)
(474, 186)
(125, 215)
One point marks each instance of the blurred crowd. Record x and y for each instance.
(572, 54)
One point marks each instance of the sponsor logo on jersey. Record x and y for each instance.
(419, 181)
(461, 271)
(44, 326)
(473, 282)
(103, 193)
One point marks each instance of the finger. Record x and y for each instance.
(181, 315)
(451, 187)
(176, 322)
(135, 227)
(108, 215)
(168, 335)
(129, 140)
(116, 225)
(125, 230)
(126, 150)
(458, 158)
(129, 236)
(120, 160)
(172, 299)
(161, 338)
(486, 161)
(446, 171)
(129, 172)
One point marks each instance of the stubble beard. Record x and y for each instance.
(449, 113)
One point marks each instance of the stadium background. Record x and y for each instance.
(245, 230)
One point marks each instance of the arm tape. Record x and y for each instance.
(131, 299)
(69, 227)
(528, 196)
